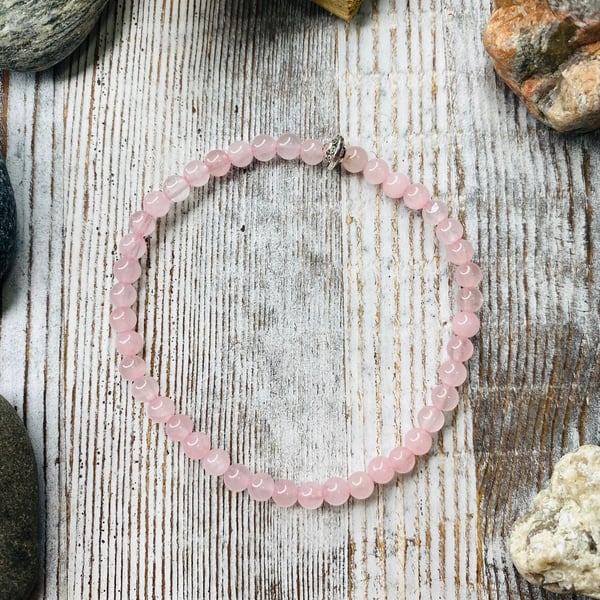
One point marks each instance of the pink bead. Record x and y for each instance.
(132, 246)
(157, 204)
(264, 147)
(444, 397)
(178, 427)
(376, 171)
(465, 324)
(336, 491)
(142, 223)
(430, 419)
(380, 469)
(452, 373)
(449, 231)
(395, 185)
(216, 462)
(122, 319)
(418, 441)
(460, 348)
(460, 252)
(236, 478)
(196, 173)
(196, 445)
(355, 159)
(177, 188)
(129, 343)
(468, 275)
(416, 196)
(261, 486)
(285, 493)
(310, 495)
(218, 163)
(361, 485)
(240, 154)
(434, 212)
(122, 295)
(127, 270)
(161, 409)
(402, 460)
(470, 300)
(288, 146)
(311, 152)
(132, 368)
(145, 389)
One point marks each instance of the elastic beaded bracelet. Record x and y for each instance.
(179, 427)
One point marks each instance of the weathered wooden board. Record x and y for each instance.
(296, 314)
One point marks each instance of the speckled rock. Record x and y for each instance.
(36, 34)
(557, 545)
(548, 52)
(8, 222)
(19, 508)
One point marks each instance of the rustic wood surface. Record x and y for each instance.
(296, 315)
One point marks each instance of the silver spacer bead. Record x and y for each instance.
(335, 150)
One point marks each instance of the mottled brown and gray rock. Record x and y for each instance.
(19, 508)
(8, 222)
(557, 545)
(36, 34)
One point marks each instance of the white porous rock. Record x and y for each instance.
(557, 545)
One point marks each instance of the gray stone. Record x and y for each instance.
(19, 508)
(36, 34)
(8, 221)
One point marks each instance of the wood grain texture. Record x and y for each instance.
(296, 316)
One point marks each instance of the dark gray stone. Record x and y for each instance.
(36, 34)
(19, 508)
(8, 222)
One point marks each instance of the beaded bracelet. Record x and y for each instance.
(179, 427)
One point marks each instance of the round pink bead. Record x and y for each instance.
(355, 159)
(380, 469)
(460, 348)
(142, 223)
(122, 295)
(132, 246)
(402, 460)
(361, 485)
(145, 389)
(285, 493)
(196, 173)
(177, 188)
(264, 147)
(452, 373)
(122, 319)
(460, 252)
(416, 196)
(470, 300)
(310, 495)
(336, 491)
(261, 486)
(196, 445)
(311, 152)
(430, 419)
(444, 397)
(449, 231)
(418, 441)
(434, 212)
(288, 146)
(236, 478)
(132, 368)
(468, 275)
(240, 154)
(465, 324)
(129, 343)
(161, 409)
(395, 185)
(127, 270)
(216, 462)
(218, 163)
(376, 171)
(178, 427)
(157, 204)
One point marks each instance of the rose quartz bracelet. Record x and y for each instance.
(180, 428)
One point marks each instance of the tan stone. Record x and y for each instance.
(346, 9)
